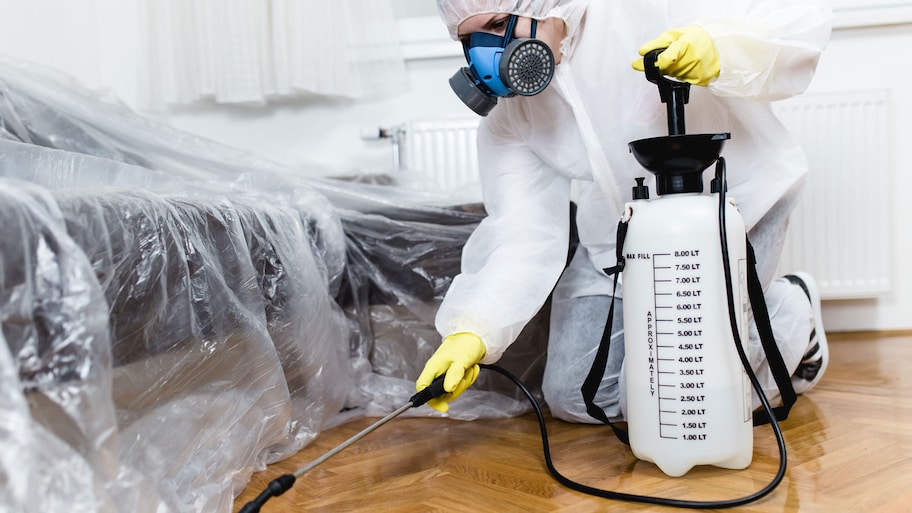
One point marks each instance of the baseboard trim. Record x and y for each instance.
(867, 334)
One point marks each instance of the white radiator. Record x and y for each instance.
(443, 152)
(840, 231)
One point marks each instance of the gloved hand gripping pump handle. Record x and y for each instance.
(284, 482)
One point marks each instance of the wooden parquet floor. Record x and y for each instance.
(849, 450)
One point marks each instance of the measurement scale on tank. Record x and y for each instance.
(680, 368)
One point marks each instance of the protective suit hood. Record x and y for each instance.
(454, 12)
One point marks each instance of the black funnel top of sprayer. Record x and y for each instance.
(678, 159)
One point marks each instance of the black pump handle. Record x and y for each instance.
(674, 93)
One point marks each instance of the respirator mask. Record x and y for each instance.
(501, 67)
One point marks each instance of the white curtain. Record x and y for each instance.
(255, 51)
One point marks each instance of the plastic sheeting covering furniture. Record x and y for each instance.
(177, 314)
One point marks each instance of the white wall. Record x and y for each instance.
(865, 58)
(98, 41)
(414, 8)
(66, 39)
(329, 133)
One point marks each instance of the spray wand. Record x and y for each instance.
(283, 483)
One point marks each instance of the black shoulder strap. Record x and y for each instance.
(768, 341)
(594, 378)
(597, 371)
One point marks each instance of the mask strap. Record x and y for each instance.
(511, 28)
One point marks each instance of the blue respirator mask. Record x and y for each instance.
(502, 66)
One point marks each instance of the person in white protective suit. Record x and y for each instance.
(569, 143)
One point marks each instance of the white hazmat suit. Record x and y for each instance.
(570, 143)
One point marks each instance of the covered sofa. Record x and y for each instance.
(177, 314)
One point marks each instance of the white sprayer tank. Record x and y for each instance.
(688, 397)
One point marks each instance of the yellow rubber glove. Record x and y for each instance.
(458, 357)
(690, 55)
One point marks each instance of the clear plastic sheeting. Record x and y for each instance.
(401, 260)
(57, 426)
(177, 314)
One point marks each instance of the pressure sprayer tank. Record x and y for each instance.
(688, 396)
